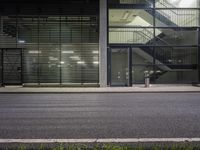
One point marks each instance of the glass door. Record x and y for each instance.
(119, 67)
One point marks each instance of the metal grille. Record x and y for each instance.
(12, 66)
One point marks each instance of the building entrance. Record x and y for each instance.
(119, 62)
(11, 66)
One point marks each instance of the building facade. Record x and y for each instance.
(99, 43)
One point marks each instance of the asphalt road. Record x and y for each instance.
(130, 115)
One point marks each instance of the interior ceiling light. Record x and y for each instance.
(95, 52)
(34, 52)
(75, 57)
(80, 62)
(68, 52)
(21, 41)
(175, 2)
(53, 58)
(186, 3)
(95, 62)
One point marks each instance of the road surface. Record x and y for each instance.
(128, 115)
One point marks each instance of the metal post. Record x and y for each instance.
(130, 66)
(2, 71)
(147, 79)
(60, 47)
(199, 45)
(154, 41)
(1, 35)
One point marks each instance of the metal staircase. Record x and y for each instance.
(8, 36)
(172, 17)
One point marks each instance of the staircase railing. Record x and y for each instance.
(174, 15)
(144, 36)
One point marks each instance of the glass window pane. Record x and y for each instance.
(178, 3)
(176, 36)
(30, 63)
(142, 55)
(141, 36)
(177, 18)
(49, 63)
(174, 76)
(8, 38)
(79, 50)
(176, 55)
(49, 29)
(1, 66)
(144, 3)
(138, 72)
(80, 63)
(131, 17)
(28, 30)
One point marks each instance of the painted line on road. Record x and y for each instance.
(98, 140)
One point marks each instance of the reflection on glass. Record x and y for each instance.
(177, 18)
(177, 4)
(57, 50)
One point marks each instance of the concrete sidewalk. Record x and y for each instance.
(134, 89)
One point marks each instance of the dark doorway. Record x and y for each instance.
(11, 66)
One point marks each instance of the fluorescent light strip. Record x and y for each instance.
(34, 52)
(75, 57)
(95, 52)
(95, 62)
(21, 41)
(68, 52)
(80, 62)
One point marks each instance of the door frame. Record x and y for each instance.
(2, 69)
(129, 49)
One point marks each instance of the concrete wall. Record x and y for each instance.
(103, 44)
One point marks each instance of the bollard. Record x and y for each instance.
(147, 82)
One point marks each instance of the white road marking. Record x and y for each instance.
(106, 140)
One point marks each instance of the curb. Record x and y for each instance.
(96, 92)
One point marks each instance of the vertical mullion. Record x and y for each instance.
(22, 77)
(130, 66)
(1, 34)
(16, 24)
(110, 66)
(60, 50)
(81, 51)
(154, 41)
(108, 49)
(2, 71)
(198, 52)
(199, 45)
(38, 44)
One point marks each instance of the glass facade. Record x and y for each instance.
(161, 37)
(58, 43)
(56, 50)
